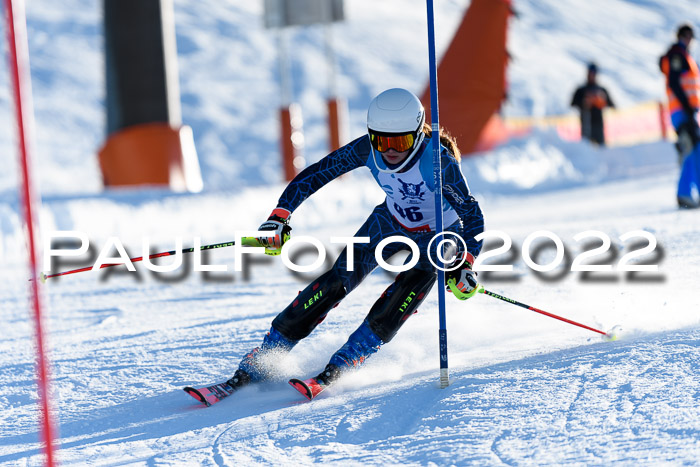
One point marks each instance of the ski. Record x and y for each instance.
(309, 388)
(210, 394)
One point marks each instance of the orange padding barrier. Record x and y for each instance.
(151, 154)
(642, 123)
(472, 72)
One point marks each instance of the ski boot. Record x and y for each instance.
(239, 379)
(312, 387)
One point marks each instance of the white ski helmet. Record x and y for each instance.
(395, 120)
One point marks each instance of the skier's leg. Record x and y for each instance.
(293, 324)
(696, 167)
(688, 177)
(598, 134)
(688, 147)
(360, 345)
(255, 365)
(312, 304)
(398, 302)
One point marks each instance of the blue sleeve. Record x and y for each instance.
(335, 164)
(456, 191)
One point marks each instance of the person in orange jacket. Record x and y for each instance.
(683, 91)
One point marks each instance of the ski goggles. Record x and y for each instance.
(382, 142)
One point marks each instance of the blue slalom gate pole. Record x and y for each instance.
(437, 175)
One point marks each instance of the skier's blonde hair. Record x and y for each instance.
(446, 139)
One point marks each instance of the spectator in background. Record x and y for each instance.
(683, 90)
(591, 99)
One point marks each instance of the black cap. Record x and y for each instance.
(592, 68)
(684, 30)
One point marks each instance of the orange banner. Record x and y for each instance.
(642, 123)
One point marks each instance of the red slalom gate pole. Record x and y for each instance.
(542, 312)
(19, 70)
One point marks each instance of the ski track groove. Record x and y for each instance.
(217, 455)
(570, 409)
(494, 447)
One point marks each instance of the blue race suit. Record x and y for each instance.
(408, 211)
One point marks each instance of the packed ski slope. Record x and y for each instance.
(525, 389)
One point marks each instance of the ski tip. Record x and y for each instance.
(197, 395)
(302, 387)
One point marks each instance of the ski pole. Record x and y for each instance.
(542, 312)
(213, 246)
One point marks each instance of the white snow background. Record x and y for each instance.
(525, 389)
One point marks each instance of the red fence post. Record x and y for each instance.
(291, 140)
(19, 70)
(337, 115)
(662, 118)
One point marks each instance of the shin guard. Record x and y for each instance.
(399, 301)
(310, 307)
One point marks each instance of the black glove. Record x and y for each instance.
(462, 281)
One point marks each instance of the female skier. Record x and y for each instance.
(396, 150)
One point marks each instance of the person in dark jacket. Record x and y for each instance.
(591, 99)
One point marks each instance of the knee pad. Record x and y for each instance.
(310, 307)
(399, 301)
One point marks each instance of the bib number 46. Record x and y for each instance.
(412, 213)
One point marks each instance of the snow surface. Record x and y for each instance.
(525, 389)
